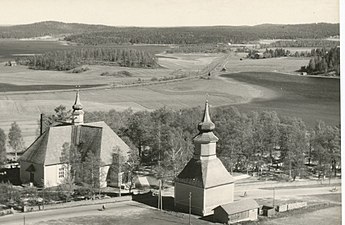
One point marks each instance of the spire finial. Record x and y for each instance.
(206, 124)
(78, 114)
(77, 105)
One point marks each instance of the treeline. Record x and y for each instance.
(324, 62)
(203, 48)
(278, 52)
(70, 59)
(303, 43)
(202, 35)
(247, 142)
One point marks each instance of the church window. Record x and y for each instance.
(61, 172)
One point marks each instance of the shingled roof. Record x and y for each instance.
(239, 206)
(97, 137)
(205, 173)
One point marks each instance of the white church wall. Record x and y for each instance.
(103, 172)
(51, 175)
(217, 196)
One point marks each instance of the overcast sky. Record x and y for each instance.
(170, 12)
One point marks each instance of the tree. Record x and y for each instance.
(326, 147)
(293, 145)
(2, 147)
(67, 185)
(15, 138)
(61, 114)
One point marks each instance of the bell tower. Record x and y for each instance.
(204, 178)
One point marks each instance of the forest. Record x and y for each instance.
(100, 34)
(202, 35)
(69, 59)
(302, 43)
(323, 62)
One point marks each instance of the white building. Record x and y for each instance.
(204, 176)
(41, 163)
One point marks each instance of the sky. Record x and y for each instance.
(170, 12)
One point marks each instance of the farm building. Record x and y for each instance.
(238, 211)
(11, 63)
(42, 163)
(204, 176)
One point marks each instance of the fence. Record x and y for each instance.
(76, 203)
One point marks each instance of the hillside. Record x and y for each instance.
(100, 34)
(48, 28)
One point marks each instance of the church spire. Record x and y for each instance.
(77, 105)
(206, 125)
(78, 113)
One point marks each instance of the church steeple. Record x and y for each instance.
(205, 141)
(206, 125)
(78, 113)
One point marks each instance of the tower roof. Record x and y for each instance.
(77, 105)
(206, 125)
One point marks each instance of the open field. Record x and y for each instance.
(309, 98)
(282, 64)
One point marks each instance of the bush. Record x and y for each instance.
(80, 69)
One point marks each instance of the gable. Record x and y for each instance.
(110, 143)
(58, 136)
(36, 152)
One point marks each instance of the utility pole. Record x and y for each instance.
(274, 196)
(24, 219)
(190, 206)
(159, 195)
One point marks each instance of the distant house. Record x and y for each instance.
(238, 211)
(259, 55)
(42, 163)
(11, 63)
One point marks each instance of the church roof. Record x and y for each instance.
(239, 206)
(205, 173)
(97, 137)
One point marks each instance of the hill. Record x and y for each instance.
(45, 28)
(101, 34)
